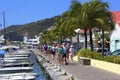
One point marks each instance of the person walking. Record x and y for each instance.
(71, 52)
(59, 51)
(53, 51)
(45, 47)
(67, 55)
(64, 57)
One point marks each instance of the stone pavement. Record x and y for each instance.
(83, 72)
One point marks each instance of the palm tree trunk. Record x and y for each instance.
(78, 38)
(85, 39)
(91, 41)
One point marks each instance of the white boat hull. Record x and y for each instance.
(15, 69)
(18, 76)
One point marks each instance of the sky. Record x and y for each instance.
(18, 12)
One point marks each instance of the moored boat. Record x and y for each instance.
(18, 64)
(15, 69)
(18, 76)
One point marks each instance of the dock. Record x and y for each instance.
(81, 72)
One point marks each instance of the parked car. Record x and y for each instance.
(116, 52)
(106, 51)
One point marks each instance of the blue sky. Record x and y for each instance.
(26, 11)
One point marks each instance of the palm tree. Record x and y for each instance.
(61, 27)
(74, 19)
(96, 14)
(67, 25)
(87, 16)
(58, 31)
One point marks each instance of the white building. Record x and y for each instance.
(2, 39)
(81, 38)
(26, 40)
(115, 36)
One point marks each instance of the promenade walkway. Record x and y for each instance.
(83, 72)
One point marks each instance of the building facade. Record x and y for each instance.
(115, 35)
(34, 41)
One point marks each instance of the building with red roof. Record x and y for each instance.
(115, 36)
(116, 17)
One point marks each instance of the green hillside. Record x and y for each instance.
(16, 32)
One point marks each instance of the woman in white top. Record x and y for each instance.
(71, 52)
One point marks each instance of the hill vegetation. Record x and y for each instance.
(17, 32)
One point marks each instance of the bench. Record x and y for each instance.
(84, 61)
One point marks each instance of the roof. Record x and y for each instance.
(116, 16)
(82, 31)
(79, 31)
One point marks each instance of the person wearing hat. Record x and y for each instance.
(71, 52)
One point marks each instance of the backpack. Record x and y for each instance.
(45, 47)
(60, 50)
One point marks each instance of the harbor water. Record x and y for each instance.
(37, 69)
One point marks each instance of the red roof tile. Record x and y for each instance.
(82, 31)
(116, 17)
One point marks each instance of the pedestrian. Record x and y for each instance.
(71, 52)
(59, 51)
(64, 57)
(53, 51)
(45, 47)
(67, 55)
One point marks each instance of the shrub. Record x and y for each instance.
(117, 59)
(84, 53)
(76, 52)
(113, 59)
(96, 55)
(109, 58)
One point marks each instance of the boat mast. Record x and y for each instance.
(4, 24)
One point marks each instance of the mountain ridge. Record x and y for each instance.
(17, 32)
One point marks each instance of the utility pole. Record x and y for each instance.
(4, 24)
